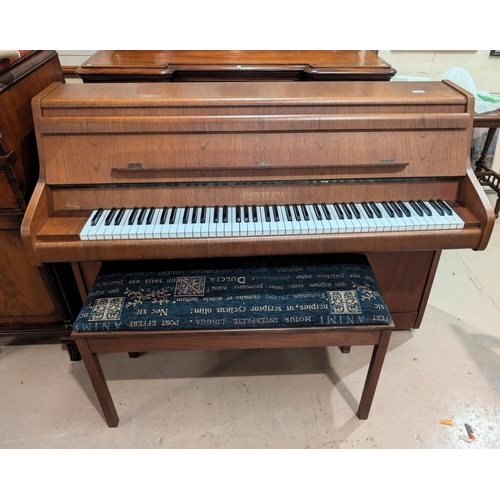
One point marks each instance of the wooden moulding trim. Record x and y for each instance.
(264, 166)
(473, 196)
(271, 123)
(123, 341)
(63, 251)
(39, 209)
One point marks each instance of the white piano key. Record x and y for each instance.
(311, 223)
(164, 228)
(273, 224)
(384, 219)
(455, 221)
(84, 233)
(366, 225)
(118, 228)
(287, 225)
(101, 227)
(231, 228)
(450, 221)
(243, 224)
(266, 227)
(211, 230)
(189, 226)
(197, 224)
(438, 221)
(219, 226)
(150, 228)
(173, 228)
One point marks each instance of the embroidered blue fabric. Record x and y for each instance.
(209, 294)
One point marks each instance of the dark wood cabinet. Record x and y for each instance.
(33, 300)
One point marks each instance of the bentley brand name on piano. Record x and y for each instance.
(262, 195)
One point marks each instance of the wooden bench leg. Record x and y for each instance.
(99, 382)
(373, 375)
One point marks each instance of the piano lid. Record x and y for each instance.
(147, 95)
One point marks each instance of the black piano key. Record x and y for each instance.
(424, 207)
(326, 211)
(142, 214)
(367, 209)
(224, 214)
(296, 212)
(445, 207)
(163, 217)
(347, 210)
(185, 217)
(203, 215)
(417, 209)
(119, 216)
(246, 215)
(133, 215)
(238, 213)
(194, 217)
(276, 213)
(396, 208)
(436, 207)
(375, 209)
(339, 211)
(388, 209)
(267, 213)
(317, 211)
(305, 212)
(151, 214)
(172, 215)
(216, 214)
(355, 210)
(110, 217)
(404, 208)
(255, 216)
(288, 213)
(96, 217)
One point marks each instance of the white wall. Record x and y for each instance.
(484, 69)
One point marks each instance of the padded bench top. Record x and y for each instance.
(278, 292)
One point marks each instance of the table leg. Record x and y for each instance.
(99, 382)
(481, 162)
(373, 375)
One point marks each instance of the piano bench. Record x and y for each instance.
(260, 303)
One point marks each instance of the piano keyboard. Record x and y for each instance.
(268, 220)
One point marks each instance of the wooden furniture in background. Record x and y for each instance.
(487, 176)
(33, 300)
(241, 65)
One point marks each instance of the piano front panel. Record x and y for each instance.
(126, 158)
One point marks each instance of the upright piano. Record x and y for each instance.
(147, 171)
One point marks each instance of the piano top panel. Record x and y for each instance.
(167, 65)
(240, 131)
(144, 96)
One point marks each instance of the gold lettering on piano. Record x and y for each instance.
(262, 195)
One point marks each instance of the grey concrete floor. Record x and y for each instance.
(284, 398)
